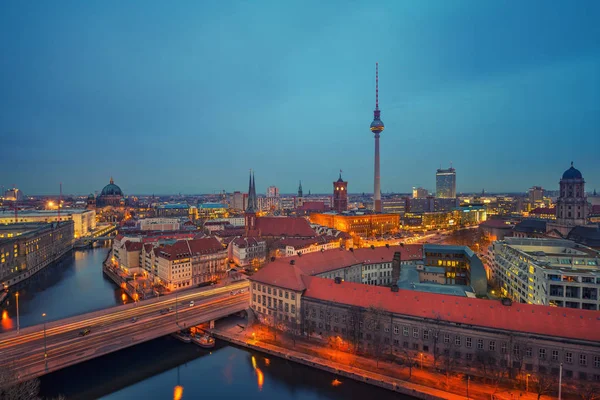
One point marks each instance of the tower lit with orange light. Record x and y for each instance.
(377, 127)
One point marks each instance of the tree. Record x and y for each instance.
(374, 319)
(353, 320)
(449, 360)
(543, 384)
(588, 391)
(12, 389)
(488, 364)
(407, 359)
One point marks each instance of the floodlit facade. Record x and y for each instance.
(552, 272)
(84, 220)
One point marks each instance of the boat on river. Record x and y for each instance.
(204, 341)
(182, 337)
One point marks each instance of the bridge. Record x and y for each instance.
(41, 349)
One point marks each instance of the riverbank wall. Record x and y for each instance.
(357, 374)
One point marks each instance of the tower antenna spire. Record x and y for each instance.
(377, 86)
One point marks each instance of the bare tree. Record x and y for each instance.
(374, 319)
(543, 384)
(406, 359)
(588, 391)
(436, 333)
(12, 389)
(449, 360)
(353, 320)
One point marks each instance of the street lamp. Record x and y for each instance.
(18, 325)
(527, 382)
(45, 352)
(421, 354)
(560, 382)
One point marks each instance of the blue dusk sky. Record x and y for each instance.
(187, 96)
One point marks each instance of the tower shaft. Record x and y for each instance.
(377, 179)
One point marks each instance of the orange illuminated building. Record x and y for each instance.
(358, 224)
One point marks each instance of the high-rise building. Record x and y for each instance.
(445, 183)
(340, 195)
(272, 191)
(377, 127)
(536, 194)
(238, 201)
(420, 193)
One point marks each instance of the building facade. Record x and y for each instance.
(248, 251)
(340, 195)
(84, 221)
(445, 183)
(513, 340)
(419, 193)
(158, 224)
(552, 272)
(572, 207)
(358, 224)
(190, 262)
(29, 248)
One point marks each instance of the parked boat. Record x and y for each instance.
(183, 337)
(204, 341)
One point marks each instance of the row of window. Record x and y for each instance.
(274, 291)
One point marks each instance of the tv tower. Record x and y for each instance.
(377, 127)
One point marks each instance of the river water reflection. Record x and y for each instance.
(155, 369)
(164, 367)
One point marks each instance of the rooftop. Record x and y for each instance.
(284, 227)
(526, 318)
(188, 248)
(174, 206)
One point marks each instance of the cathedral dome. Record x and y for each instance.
(111, 189)
(572, 173)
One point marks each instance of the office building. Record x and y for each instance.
(554, 272)
(84, 220)
(27, 248)
(420, 193)
(272, 191)
(445, 183)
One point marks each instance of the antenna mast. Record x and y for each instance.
(59, 201)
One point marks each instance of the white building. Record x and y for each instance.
(268, 203)
(158, 224)
(272, 191)
(546, 271)
(84, 220)
(248, 251)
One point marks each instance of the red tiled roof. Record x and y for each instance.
(230, 232)
(595, 209)
(535, 319)
(384, 254)
(285, 276)
(133, 246)
(187, 248)
(313, 206)
(284, 226)
(300, 243)
(148, 247)
(243, 242)
(119, 237)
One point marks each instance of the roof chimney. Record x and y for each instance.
(338, 280)
(372, 247)
(506, 301)
(394, 288)
(292, 262)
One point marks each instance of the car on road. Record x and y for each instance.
(134, 319)
(192, 303)
(166, 310)
(84, 332)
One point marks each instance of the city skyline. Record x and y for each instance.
(509, 109)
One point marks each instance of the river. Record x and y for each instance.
(165, 367)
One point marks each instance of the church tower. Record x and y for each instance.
(250, 214)
(300, 190)
(571, 207)
(340, 195)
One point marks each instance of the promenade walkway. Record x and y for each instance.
(419, 383)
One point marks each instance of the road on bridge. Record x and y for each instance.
(114, 328)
